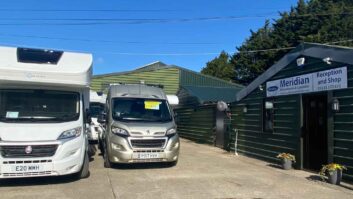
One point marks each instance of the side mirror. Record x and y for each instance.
(176, 118)
(101, 118)
(88, 116)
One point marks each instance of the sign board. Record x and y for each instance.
(313, 82)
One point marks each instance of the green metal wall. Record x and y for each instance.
(197, 123)
(252, 141)
(168, 77)
(196, 79)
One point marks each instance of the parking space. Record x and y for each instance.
(202, 172)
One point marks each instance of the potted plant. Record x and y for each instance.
(333, 172)
(287, 159)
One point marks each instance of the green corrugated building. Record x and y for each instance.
(173, 79)
(197, 94)
(301, 105)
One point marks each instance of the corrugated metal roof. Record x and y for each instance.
(206, 94)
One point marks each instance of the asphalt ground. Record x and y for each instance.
(202, 172)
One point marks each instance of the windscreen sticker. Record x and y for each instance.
(10, 114)
(152, 105)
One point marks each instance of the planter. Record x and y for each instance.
(334, 177)
(286, 164)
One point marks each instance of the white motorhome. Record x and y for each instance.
(96, 107)
(44, 95)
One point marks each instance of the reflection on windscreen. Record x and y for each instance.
(38, 105)
(96, 109)
(136, 109)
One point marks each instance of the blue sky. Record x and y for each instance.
(188, 36)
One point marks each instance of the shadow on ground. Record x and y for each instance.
(152, 165)
(37, 181)
(315, 178)
(276, 166)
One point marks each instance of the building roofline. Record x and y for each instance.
(168, 67)
(321, 51)
(208, 76)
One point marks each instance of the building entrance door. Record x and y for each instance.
(315, 147)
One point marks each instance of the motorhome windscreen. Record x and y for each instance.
(96, 109)
(27, 105)
(138, 109)
(38, 56)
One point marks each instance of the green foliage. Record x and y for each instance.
(317, 21)
(220, 67)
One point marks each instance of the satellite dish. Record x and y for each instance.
(222, 106)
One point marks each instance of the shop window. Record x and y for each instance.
(268, 115)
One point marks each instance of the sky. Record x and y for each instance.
(125, 34)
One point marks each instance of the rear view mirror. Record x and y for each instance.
(101, 118)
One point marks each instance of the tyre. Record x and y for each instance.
(91, 150)
(84, 172)
(100, 146)
(172, 164)
(107, 163)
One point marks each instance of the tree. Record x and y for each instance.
(318, 21)
(220, 67)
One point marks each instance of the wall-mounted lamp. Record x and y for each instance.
(335, 105)
(245, 109)
(261, 88)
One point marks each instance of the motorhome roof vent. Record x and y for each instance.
(38, 56)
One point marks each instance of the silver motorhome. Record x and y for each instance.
(140, 126)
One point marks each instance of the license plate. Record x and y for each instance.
(147, 155)
(26, 168)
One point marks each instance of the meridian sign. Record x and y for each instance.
(313, 82)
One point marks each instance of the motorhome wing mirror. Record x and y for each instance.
(173, 99)
(101, 118)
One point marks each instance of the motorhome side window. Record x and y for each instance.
(32, 105)
(138, 109)
(268, 115)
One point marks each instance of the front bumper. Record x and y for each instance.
(121, 151)
(68, 159)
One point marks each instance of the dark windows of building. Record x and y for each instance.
(268, 115)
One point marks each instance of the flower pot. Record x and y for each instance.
(286, 164)
(334, 177)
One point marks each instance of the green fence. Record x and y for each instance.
(197, 123)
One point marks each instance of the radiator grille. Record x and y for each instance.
(148, 143)
(21, 152)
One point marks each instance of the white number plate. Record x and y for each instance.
(26, 168)
(147, 155)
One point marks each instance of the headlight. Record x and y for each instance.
(119, 131)
(72, 133)
(171, 131)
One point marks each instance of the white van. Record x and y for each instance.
(44, 96)
(140, 126)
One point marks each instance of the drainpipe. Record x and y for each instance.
(236, 142)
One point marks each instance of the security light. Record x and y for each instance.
(300, 61)
(327, 60)
(269, 105)
(261, 88)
